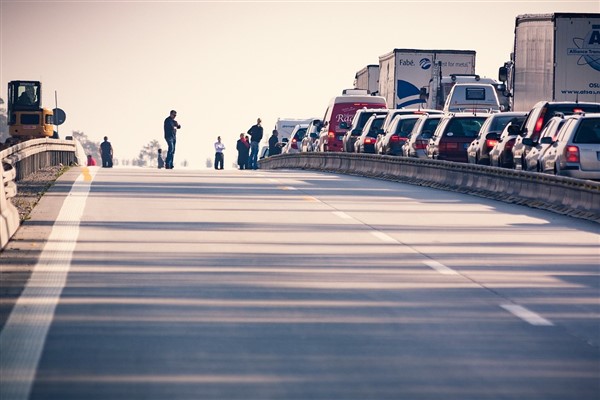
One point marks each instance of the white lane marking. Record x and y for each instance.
(439, 267)
(23, 337)
(287, 188)
(273, 180)
(341, 214)
(382, 236)
(526, 315)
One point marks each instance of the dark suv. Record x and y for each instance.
(536, 120)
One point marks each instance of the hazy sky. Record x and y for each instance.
(120, 66)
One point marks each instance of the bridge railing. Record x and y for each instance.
(575, 197)
(23, 159)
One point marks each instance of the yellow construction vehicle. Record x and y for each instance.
(27, 119)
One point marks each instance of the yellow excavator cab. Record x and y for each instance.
(27, 119)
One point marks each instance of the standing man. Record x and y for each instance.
(219, 147)
(106, 152)
(171, 127)
(256, 134)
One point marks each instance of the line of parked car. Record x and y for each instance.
(560, 138)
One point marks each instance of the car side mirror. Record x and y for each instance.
(528, 142)
(546, 140)
(285, 140)
(491, 136)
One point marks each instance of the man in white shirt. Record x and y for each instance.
(219, 147)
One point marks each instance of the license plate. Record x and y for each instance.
(29, 126)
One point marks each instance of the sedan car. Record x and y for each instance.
(576, 152)
(309, 142)
(365, 143)
(392, 140)
(489, 134)
(501, 153)
(358, 123)
(416, 145)
(293, 145)
(547, 137)
(453, 136)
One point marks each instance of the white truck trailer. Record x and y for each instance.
(368, 79)
(403, 72)
(556, 57)
(285, 126)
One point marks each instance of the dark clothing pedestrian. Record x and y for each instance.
(274, 146)
(106, 152)
(161, 162)
(243, 148)
(170, 127)
(256, 135)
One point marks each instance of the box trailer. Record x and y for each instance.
(556, 57)
(368, 79)
(403, 72)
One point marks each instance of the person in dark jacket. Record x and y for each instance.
(274, 145)
(256, 135)
(243, 148)
(170, 127)
(106, 152)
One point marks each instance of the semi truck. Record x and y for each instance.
(403, 72)
(368, 79)
(556, 57)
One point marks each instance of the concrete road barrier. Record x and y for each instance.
(575, 197)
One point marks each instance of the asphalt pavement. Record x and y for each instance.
(182, 284)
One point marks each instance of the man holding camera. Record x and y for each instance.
(171, 127)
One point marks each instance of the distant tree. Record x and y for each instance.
(185, 163)
(148, 154)
(3, 122)
(209, 162)
(90, 147)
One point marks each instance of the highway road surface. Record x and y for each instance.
(280, 284)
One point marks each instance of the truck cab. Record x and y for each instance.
(27, 118)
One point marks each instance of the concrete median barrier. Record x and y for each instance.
(575, 197)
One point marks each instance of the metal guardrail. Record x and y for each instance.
(564, 195)
(23, 159)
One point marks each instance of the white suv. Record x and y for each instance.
(576, 151)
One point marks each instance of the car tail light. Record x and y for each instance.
(539, 124)
(395, 138)
(331, 134)
(490, 143)
(572, 154)
(420, 145)
(370, 140)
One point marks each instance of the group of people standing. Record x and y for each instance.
(248, 147)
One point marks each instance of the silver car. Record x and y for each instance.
(418, 139)
(548, 136)
(576, 152)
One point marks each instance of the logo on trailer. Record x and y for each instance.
(588, 49)
(425, 63)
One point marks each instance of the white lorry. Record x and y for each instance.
(472, 97)
(285, 127)
(403, 72)
(556, 57)
(368, 79)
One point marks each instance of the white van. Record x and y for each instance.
(472, 97)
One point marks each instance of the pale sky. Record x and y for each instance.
(120, 66)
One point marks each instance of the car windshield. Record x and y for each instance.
(375, 127)
(429, 127)
(404, 127)
(300, 134)
(499, 122)
(588, 132)
(464, 127)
